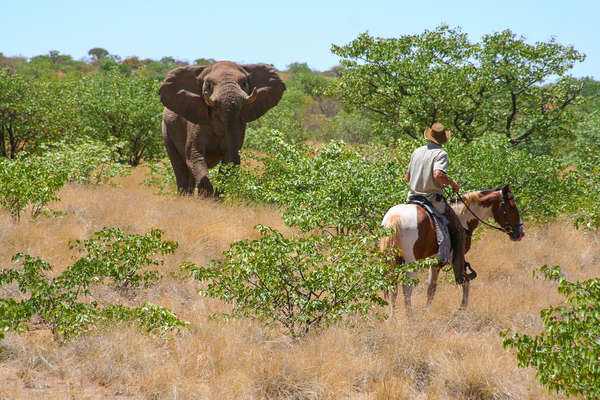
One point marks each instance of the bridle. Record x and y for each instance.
(513, 231)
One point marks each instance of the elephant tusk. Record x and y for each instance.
(252, 98)
(208, 101)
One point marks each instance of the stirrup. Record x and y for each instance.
(471, 275)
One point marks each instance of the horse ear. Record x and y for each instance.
(181, 92)
(506, 189)
(269, 89)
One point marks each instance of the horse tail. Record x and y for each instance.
(391, 244)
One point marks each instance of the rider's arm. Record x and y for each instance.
(444, 179)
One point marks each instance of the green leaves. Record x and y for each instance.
(497, 85)
(300, 282)
(33, 181)
(566, 353)
(121, 257)
(28, 182)
(126, 109)
(334, 188)
(63, 302)
(85, 160)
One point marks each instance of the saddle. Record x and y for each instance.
(441, 226)
(434, 214)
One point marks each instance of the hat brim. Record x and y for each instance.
(439, 139)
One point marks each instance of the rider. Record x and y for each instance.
(426, 176)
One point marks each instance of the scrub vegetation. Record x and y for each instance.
(112, 285)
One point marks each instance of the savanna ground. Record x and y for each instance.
(435, 354)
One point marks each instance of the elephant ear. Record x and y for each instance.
(181, 92)
(269, 89)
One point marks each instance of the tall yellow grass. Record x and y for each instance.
(433, 354)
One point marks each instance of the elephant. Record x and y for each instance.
(206, 111)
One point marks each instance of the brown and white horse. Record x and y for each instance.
(414, 232)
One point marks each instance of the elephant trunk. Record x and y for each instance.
(234, 138)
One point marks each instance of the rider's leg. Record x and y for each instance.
(457, 239)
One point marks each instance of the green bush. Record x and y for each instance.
(333, 187)
(301, 282)
(491, 161)
(86, 161)
(24, 113)
(29, 182)
(113, 106)
(566, 353)
(349, 189)
(63, 302)
(286, 117)
(122, 257)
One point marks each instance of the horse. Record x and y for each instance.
(414, 233)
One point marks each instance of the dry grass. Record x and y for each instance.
(435, 354)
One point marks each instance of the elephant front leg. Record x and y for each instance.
(183, 176)
(197, 163)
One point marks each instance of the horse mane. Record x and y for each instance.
(468, 198)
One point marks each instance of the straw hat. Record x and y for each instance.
(437, 134)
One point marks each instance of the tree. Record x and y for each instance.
(19, 114)
(98, 53)
(132, 62)
(473, 88)
(204, 61)
(127, 109)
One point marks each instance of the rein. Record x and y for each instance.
(508, 228)
(479, 219)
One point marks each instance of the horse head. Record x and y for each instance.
(507, 215)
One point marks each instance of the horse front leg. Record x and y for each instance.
(465, 295)
(434, 273)
(391, 297)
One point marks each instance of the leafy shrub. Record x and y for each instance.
(286, 117)
(121, 257)
(123, 108)
(333, 187)
(566, 353)
(57, 301)
(25, 110)
(86, 161)
(299, 282)
(353, 127)
(491, 161)
(33, 180)
(29, 182)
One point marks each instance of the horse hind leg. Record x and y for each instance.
(407, 291)
(392, 296)
(434, 273)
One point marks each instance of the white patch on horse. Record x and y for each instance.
(465, 216)
(403, 218)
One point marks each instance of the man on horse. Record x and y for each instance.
(426, 176)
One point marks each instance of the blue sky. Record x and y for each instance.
(278, 32)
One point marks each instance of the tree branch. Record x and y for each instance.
(511, 117)
(523, 137)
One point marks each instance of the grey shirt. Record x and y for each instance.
(423, 162)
